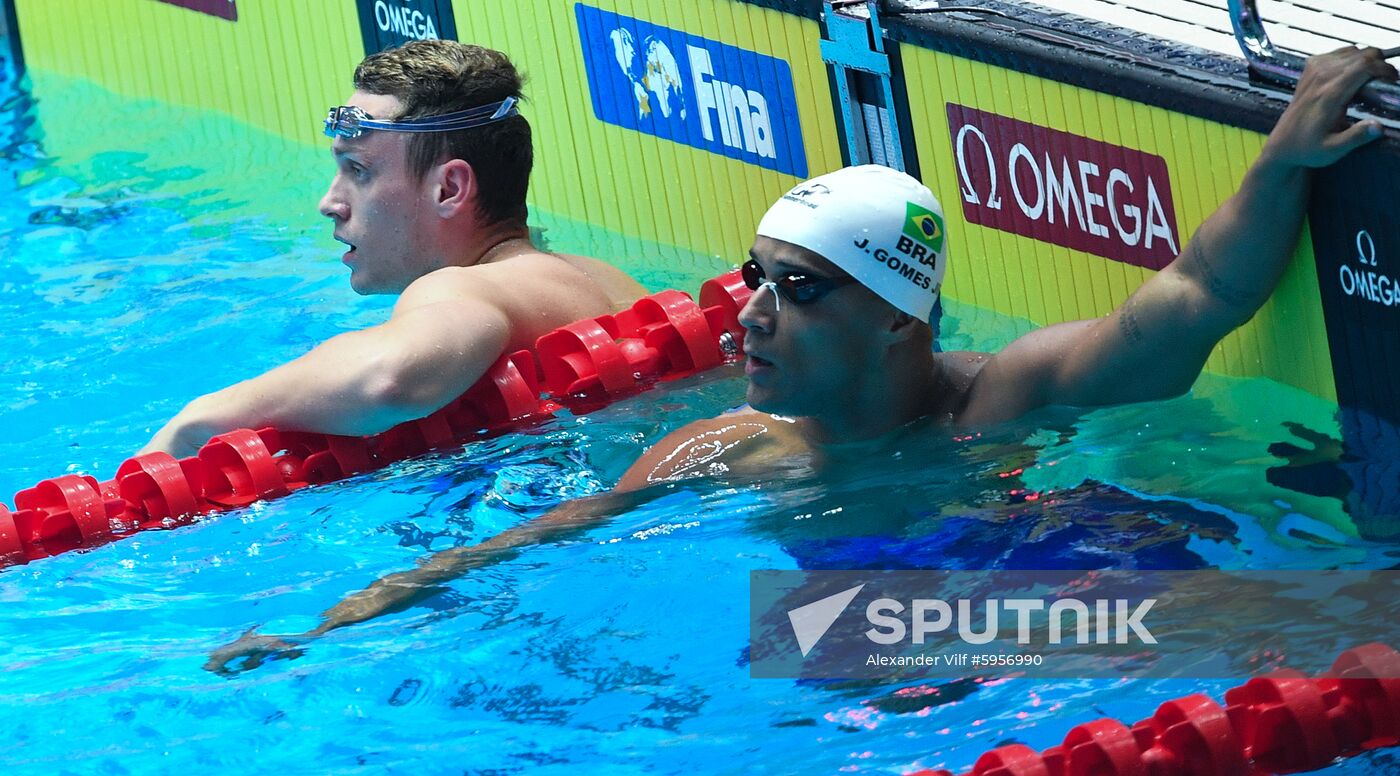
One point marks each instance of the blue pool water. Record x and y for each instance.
(139, 270)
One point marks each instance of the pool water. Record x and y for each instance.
(133, 280)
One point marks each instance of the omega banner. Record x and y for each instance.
(1064, 189)
(388, 23)
(1068, 624)
(1356, 240)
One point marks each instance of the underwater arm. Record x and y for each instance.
(402, 590)
(357, 383)
(1156, 343)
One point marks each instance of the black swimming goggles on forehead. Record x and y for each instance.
(796, 287)
(349, 121)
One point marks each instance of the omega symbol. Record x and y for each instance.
(1365, 248)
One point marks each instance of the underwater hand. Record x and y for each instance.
(252, 648)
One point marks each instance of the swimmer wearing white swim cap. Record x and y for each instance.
(846, 269)
(880, 226)
(847, 266)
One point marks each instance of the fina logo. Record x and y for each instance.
(741, 114)
(661, 76)
(691, 90)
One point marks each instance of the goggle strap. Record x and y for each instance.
(462, 119)
(447, 122)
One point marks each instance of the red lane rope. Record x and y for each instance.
(583, 366)
(1284, 722)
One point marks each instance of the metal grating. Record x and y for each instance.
(1309, 27)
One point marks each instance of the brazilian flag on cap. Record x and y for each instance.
(924, 226)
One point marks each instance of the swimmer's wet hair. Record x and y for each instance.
(433, 77)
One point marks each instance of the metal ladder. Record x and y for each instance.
(1283, 68)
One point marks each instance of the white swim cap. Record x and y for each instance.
(883, 227)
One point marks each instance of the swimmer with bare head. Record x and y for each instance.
(432, 165)
(846, 269)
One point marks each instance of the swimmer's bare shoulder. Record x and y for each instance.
(562, 280)
(958, 371)
(620, 286)
(742, 442)
(536, 292)
(533, 274)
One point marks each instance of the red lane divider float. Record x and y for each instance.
(583, 366)
(1281, 723)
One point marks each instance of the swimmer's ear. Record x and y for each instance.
(902, 321)
(455, 185)
(904, 327)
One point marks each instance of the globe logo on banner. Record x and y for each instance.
(692, 90)
(655, 76)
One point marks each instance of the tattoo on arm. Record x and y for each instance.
(1128, 322)
(1216, 285)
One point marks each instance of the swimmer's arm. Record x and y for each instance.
(643, 482)
(357, 383)
(402, 590)
(1156, 343)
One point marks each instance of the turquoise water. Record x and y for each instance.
(132, 280)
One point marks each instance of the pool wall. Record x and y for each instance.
(627, 142)
(1078, 256)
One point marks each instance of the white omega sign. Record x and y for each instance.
(404, 21)
(1076, 193)
(1365, 282)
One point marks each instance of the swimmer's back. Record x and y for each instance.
(620, 288)
(537, 292)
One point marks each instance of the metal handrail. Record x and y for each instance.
(1283, 67)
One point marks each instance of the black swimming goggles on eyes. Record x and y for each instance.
(797, 287)
(349, 121)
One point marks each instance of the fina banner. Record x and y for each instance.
(692, 90)
(224, 9)
(388, 23)
(1068, 624)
